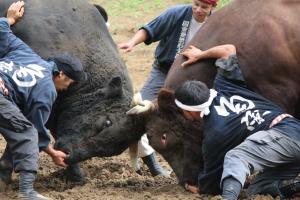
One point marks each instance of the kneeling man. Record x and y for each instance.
(256, 134)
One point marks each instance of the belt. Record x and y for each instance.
(278, 119)
(3, 88)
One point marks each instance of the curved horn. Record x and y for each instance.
(140, 106)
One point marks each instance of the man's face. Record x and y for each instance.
(201, 10)
(192, 116)
(62, 82)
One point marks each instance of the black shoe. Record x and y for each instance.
(288, 188)
(154, 166)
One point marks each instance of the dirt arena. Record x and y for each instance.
(113, 178)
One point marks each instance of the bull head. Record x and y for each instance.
(168, 133)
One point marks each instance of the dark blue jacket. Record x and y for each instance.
(29, 80)
(235, 113)
(170, 28)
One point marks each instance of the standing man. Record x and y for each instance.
(28, 89)
(174, 28)
(257, 134)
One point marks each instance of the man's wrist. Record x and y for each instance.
(49, 150)
(11, 21)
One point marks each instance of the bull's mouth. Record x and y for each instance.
(69, 158)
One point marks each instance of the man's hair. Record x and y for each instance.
(192, 93)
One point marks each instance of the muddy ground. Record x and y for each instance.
(113, 178)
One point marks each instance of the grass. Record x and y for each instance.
(139, 8)
(136, 8)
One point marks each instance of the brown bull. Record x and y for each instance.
(266, 34)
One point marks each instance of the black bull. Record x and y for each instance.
(266, 34)
(88, 120)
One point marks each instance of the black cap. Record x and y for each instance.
(70, 65)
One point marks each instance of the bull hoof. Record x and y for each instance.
(3, 186)
(5, 180)
(5, 175)
(74, 175)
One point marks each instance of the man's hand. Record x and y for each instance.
(192, 54)
(191, 188)
(15, 12)
(127, 46)
(58, 157)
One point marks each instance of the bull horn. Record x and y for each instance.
(140, 106)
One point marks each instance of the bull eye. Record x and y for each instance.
(107, 123)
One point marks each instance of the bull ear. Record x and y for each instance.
(166, 99)
(115, 82)
(115, 86)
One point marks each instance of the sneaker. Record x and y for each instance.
(33, 195)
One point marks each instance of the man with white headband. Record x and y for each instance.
(256, 134)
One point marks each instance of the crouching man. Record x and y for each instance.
(256, 134)
(28, 89)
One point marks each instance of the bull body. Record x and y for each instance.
(89, 119)
(268, 47)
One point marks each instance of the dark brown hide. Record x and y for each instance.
(266, 34)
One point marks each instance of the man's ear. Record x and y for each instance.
(166, 100)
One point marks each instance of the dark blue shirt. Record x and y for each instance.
(235, 113)
(170, 28)
(29, 80)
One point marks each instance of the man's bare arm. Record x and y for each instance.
(194, 54)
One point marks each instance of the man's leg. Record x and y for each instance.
(22, 141)
(260, 151)
(154, 83)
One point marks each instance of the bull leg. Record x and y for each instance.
(74, 174)
(6, 169)
(133, 150)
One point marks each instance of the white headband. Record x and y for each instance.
(203, 108)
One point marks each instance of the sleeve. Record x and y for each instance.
(5, 33)
(230, 68)
(209, 182)
(162, 26)
(38, 116)
(209, 178)
(40, 111)
(11, 44)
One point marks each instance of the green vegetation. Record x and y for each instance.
(223, 3)
(139, 8)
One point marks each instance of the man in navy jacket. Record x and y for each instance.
(243, 132)
(174, 28)
(28, 89)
